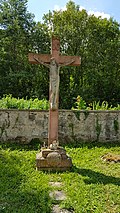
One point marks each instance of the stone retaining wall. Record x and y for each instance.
(25, 125)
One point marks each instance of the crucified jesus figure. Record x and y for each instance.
(54, 68)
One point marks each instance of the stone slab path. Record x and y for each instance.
(58, 195)
(57, 209)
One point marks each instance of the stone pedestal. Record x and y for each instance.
(53, 160)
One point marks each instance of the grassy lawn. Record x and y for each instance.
(91, 186)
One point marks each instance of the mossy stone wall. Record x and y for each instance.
(26, 125)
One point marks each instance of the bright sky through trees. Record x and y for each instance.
(104, 8)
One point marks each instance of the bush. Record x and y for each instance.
(80, 104)
(8, 102)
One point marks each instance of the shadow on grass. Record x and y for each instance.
(92, 144)
(18, 194)
(93, 177)
(32, 146)
(35, 145)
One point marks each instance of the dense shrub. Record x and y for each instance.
(81, 104)
(8, 102)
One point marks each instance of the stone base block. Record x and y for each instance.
(53, 160)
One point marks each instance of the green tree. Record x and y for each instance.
(40, 43)
(96, 40)
(20, 34)
(16, 25)
(102, 60)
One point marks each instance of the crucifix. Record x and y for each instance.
(54, 61)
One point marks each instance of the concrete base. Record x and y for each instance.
(53, 160)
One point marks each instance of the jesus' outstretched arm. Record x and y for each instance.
(42, 62)
(67, 63)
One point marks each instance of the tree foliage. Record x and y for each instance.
(96, 40)
(19, 35)
(15, 24)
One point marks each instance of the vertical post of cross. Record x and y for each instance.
(53, 114)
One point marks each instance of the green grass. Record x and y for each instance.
(91, 186)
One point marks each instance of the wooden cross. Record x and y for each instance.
(54, 61)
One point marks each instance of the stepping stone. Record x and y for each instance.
(58, 195)
(57, 209)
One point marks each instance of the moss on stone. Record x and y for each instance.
(77, 114)
(116, 126)
(98, 128)
(86, 113)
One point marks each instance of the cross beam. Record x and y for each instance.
(46, 58)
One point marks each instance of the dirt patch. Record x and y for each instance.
(111, 158)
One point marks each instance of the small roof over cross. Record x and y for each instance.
(54, 61)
